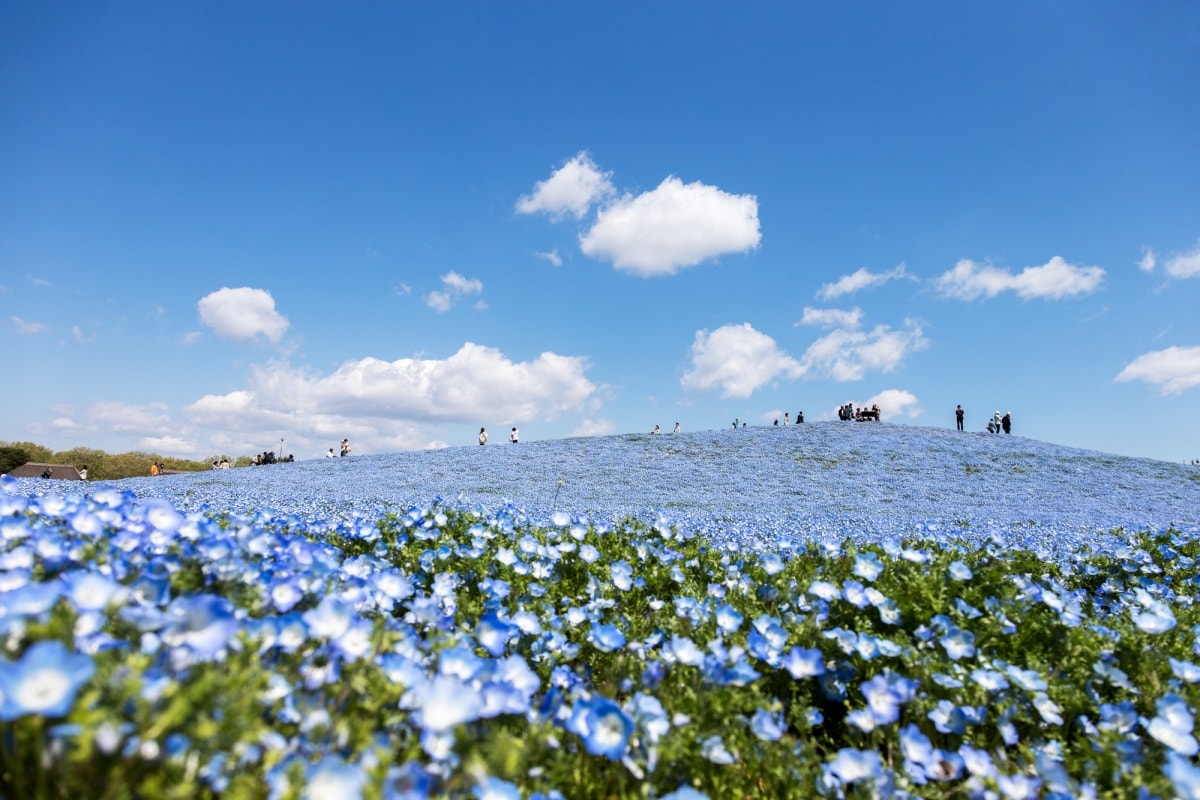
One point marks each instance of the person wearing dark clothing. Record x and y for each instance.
(1006, 422)
(958, 417)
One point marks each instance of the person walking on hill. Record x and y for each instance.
(676, 428)
(482, 436)
(958, 416)
(1006, 422)
(514, 437)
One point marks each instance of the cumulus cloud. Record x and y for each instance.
(847, 354)
(1171, 371)
(736, 359)
(1148, 261)
(673, 226)
(27, 328)
(454, 286)
(861, 278)
(1053, 280)
(476, 382)
(571, 190)
(593, 427)
(553, 257)
(896, 403)
(242, 314)
(831, 317)
(1184, 265)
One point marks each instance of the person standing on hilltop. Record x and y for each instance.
(482, 436)
(513, 437)
(676, 428)
(1006, 422)
(958, 416)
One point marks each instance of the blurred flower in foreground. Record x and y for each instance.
(43, 681)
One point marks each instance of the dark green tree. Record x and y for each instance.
(11, 457)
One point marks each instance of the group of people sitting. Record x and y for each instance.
(849, 412)
(268, 457)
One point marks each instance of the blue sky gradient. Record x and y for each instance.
(226, 224)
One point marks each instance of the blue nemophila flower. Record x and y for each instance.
(330, 618)
(959, 571)
(989, 679)
(334, 779)
(43, 681)
(1186, 671)
(448, 702)
(713, 748)
(958, 643)
(803, 662)
(977, 762)
(622, 575)
(685, 793)
(851, 766)
(824, 590)
(1173, 725)
(606, 638)
(685, 651)
(494, 788)
(728, 618)
(868, 566)
(493, 633)
(885, 693)
(771, 563)
(767, 726)
(1184, 776)
(1018, 787)
(1121, 717)
(1156, 617)
(923, 762)
(1028, 679)
(602, 725)
(91, 591)
(1047, 708)
(203, 623)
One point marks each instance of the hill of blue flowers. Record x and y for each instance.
(832, 609)
(754, 487)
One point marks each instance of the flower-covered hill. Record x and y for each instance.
(756, 486)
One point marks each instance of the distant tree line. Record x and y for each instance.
(102, 466)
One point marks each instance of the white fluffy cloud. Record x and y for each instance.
(847, 354)
(1053, 280)
(737, 359)
(1184, 265)
(832, 317)
(1148, 261)
(242, 314)
(861, 278)
(454, 286)
(397, 397)
(571, 190)
(1172, 370)
(674, 226)
(27, 328)
(896, 403)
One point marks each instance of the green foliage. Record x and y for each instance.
(12, 457)
(147, 732)
(101, 466)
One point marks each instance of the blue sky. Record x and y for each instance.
(223, 224)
